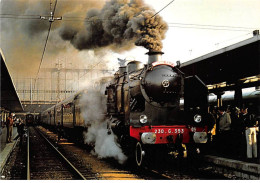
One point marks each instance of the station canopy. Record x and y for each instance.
(9, 98)
(229, 64)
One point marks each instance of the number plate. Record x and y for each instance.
(168, 131)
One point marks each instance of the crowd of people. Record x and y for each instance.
(11, 119)
(235, 132)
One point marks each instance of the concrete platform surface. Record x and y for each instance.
(6, 148)
(3, 137)
(241, 169)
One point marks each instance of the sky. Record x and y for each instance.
(22, 47)
(184, 44)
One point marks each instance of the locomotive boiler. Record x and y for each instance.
(144, 108)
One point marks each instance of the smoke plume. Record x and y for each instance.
(118, 24)
(94, 108)
(23, 33)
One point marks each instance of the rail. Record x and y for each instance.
(63, 157)
(28, 156)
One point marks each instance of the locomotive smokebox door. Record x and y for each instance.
(195, 94)
(162, 85)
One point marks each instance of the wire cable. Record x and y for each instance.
(22, 18)
(171, 24)
(45, 45)
(162, 9)
(190, 27)
(232, 38)
(218, 26)
(92, 68)
(17, 15)
(54, 7)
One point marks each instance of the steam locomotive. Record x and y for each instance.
(144, 105)
(143, 110)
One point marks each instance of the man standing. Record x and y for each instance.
(9, 126)
(20, 130)
(238, 133)
(250, 131)
(224, 131)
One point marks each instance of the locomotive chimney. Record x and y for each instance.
(154, 56)
(122, 68)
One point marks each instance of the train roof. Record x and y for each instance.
(65, 101)
(73, 96)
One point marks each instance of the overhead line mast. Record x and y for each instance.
(51, 19)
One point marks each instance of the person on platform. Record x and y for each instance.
(9, 126)
(250, 131)
(238, 133)
(224, 136)
(20, 130)
(212, 118)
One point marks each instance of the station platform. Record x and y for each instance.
(230, 167)
(6, 148)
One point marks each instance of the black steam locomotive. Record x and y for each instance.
(144, 104)
(143, 108)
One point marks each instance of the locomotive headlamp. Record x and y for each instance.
(148, 138)
(143, 119)
(200, 137)
(197, 118)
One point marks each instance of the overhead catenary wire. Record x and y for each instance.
(92, 67)
(43, 52)
(208, 28)
(171, 24)
(45, 45)
(25, 18)
(162, 9)
(207, 25)
(227, 40)
(179, 25)
(55, 7)
(17, 15)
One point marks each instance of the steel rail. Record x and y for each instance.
(63, 157)
(28, 156)
(158, 174)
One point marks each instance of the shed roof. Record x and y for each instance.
(9, 97)
(228, 64)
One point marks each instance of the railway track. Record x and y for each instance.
(45, 162)
(113, 171)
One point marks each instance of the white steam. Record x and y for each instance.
(93, 110)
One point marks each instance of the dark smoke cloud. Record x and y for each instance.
(119, 23)
(22, 40)
(114, 25)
